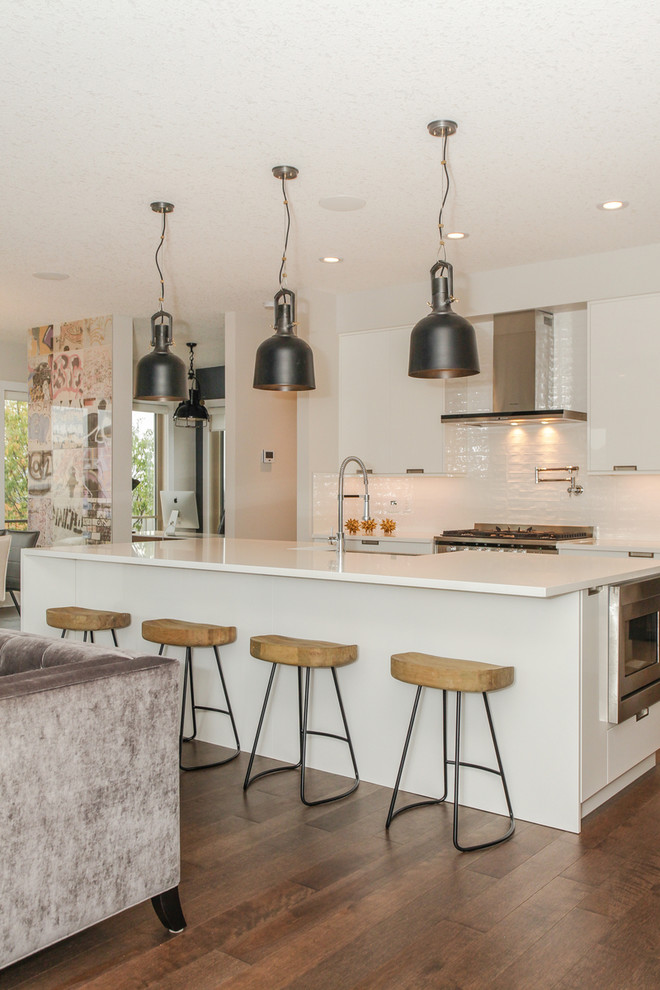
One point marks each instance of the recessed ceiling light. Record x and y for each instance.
(51, 276)
(612, 204)
(457, 235)
(342, 204)
(330, 260)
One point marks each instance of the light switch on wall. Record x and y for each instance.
(267, 456)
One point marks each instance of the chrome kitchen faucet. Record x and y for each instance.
(339, 535)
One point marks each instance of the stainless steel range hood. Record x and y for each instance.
(523, 373)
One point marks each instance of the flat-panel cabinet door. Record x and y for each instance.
(416, 406)
(391, 421)
(364, 410)
(624, 392)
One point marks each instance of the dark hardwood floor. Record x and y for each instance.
(278, 895)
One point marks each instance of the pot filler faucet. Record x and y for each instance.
(339, 536)
(571, 471)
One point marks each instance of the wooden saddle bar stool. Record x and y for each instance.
(87, 620)
(177, 632)
(307, 655)
(461, 676)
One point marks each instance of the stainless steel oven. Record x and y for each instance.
(633, 648)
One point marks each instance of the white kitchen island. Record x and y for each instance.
(540, 613)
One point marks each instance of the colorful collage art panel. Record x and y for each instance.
(70, 432)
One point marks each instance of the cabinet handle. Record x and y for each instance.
(624, 467)
(414, 470)
(370, 543)
(639, 553)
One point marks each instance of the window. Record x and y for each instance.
(145, 469)
(16, 459)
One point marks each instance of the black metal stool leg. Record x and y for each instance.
(193, 706)
(183, 707)
(289, 766)
(220, 711)
(228, 703)
(419, 804)
(15, 601)
(207, 708)
(114, 637)
(300, 713)
(346, 730)
(64, 632)
(329, 735)
(91, 635)
(499, 772)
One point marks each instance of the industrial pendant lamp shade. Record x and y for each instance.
(160, 375)
(284, 362)
(192, 412)
(443, 344)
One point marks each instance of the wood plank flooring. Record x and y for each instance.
(277, 895)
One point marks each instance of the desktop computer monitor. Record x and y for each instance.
(185, 505)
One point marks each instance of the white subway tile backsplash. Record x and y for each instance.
(498, 486)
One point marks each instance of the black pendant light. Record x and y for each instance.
(284, 362)
(443, 344)
(161, 375)
(192, 412)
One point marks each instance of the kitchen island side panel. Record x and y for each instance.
(537, 719)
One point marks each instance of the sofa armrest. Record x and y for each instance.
(90, 795)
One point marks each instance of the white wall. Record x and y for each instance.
(13, 361)
(318, 421)
(182, 462)
(122, 402)
(499, 462)
(260, 498)
(627, 272)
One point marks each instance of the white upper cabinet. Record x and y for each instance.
(389, 420)
(624, 385)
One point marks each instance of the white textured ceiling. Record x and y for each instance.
(107, 106)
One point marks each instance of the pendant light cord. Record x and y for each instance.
(282, 276)
(192, 377)
(161, 298)
(442, 249)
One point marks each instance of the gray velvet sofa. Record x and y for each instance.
(89, 788)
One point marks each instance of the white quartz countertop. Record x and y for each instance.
(394, 538)
(529, 575)
(650, 545)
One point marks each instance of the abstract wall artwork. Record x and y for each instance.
(70, 432)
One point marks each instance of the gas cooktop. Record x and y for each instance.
(493, 531)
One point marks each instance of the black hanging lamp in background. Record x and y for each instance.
(192, 411)
(284, 362)
(443, 344)
(161, 375)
